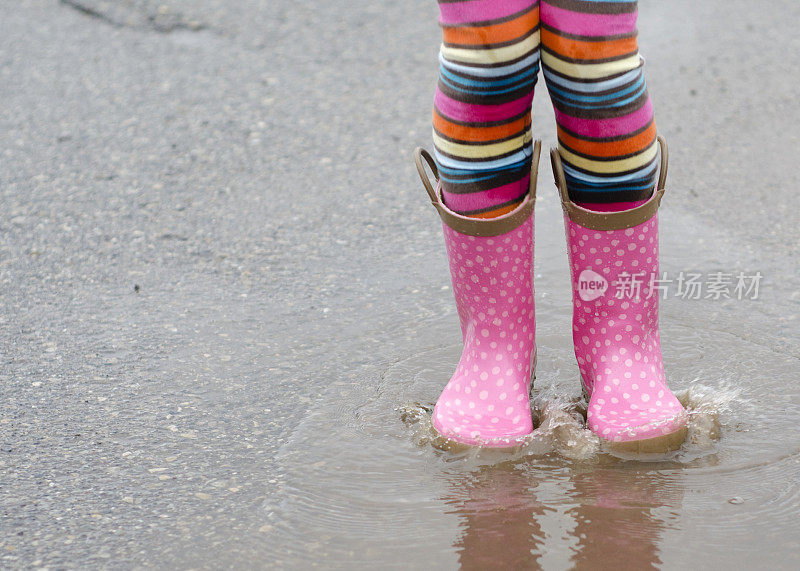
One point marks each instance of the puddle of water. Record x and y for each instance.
(366, 481)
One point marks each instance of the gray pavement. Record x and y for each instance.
(208, 211)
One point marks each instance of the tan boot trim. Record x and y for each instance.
(610, 220)
(478, 226)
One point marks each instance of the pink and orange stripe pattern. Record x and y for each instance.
(489, 63)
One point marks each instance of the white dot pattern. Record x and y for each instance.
(486, 401)
(617, 341)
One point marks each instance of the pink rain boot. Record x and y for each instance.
(486, 402)
(613, 260)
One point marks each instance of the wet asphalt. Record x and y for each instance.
(208, 211)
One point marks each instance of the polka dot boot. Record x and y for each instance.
(613, 260)
(486, 402)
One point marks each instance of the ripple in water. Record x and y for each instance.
(368, 481)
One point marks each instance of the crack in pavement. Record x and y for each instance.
(120, 17)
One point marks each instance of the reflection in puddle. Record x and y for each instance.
(614, 522)
(619, 517)
(499, 518)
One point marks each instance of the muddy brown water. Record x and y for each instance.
(365, 482)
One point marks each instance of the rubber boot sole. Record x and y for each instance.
(656, 445)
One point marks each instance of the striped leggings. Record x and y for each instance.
(489, 63)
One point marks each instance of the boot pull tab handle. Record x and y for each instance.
(558, 173)
(419, 155)
(662, 176)
(537, 153)
(561, 183)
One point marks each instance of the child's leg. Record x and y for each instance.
(606, 132)
(607, 144)
(481, 119)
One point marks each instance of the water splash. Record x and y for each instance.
(560, 427)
